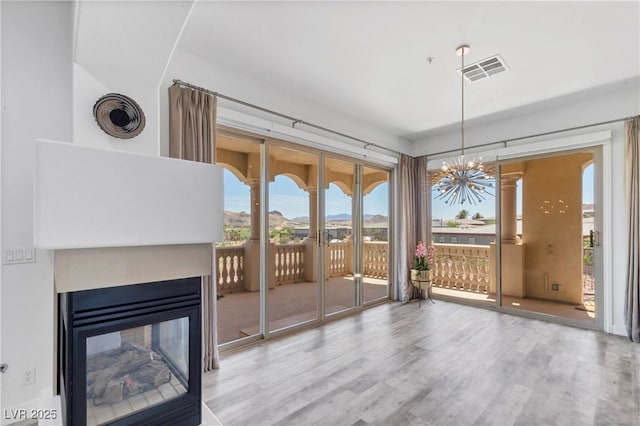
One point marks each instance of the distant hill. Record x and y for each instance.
(376, 219)
(243, 219)
(277, 220)
(338, 217)
(237, 219)
(300, 219)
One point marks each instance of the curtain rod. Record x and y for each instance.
(278, 114)
(506, 141)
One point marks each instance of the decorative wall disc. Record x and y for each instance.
(119, 116)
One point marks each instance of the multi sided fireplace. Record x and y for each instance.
(131, 355)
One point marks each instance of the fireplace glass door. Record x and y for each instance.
(131, 354)
(133, 369)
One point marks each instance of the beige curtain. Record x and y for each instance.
(632, 175)
(424, 202)
(413, 199)
(192, 136)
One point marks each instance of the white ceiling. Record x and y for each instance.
(127, 40)
(368, 59)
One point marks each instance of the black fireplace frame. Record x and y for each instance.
(88, 313)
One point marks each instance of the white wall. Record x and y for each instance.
(1, 180)
(620, 101)
(36, 101)
(123, 47)
(201, 72)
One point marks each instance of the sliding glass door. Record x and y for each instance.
(306, 236)
(375, 241)
(341, 283)
(464, 236)
(292, 275)
(548, 238)
(238, 256)
(533, 249)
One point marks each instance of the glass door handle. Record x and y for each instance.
(323, 238)
(594, 238)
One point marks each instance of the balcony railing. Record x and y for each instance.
(230, 268)
(462, 267)
(456, 266)
(289, 263)
(339, 256)
(376, 259)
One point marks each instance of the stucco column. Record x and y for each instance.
(508, 208)
(252, 246)
(311, 242)
(511, 250)
(313, 213)
(254, 186)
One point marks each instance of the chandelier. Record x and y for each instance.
(463, 179)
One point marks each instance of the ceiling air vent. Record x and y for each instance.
(485, 68)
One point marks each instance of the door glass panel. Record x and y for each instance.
(375, 252)
(133, 369)
(292, 275)
(464, 239)
(238, 256)
(547, 215)
(340, 286)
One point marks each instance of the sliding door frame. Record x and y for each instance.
(600, 144)
(357, 198)
(598, 323)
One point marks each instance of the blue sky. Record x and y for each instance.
(291, 201)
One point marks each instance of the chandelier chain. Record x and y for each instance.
(462, 85)
(463, 180)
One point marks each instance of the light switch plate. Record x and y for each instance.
(18, 256)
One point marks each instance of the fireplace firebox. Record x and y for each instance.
(131, 355)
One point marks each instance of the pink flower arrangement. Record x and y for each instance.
(424, 257)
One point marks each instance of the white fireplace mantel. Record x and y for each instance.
(87, 198)
(116, 218)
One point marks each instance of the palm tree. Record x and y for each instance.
(462, 214)
(477, 216)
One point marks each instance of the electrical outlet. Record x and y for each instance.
(29, 377)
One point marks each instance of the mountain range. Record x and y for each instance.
(276, 219)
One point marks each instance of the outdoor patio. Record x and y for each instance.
(565, 310)
(289, 304)
(460, 271)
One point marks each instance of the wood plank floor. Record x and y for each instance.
(441, 364)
